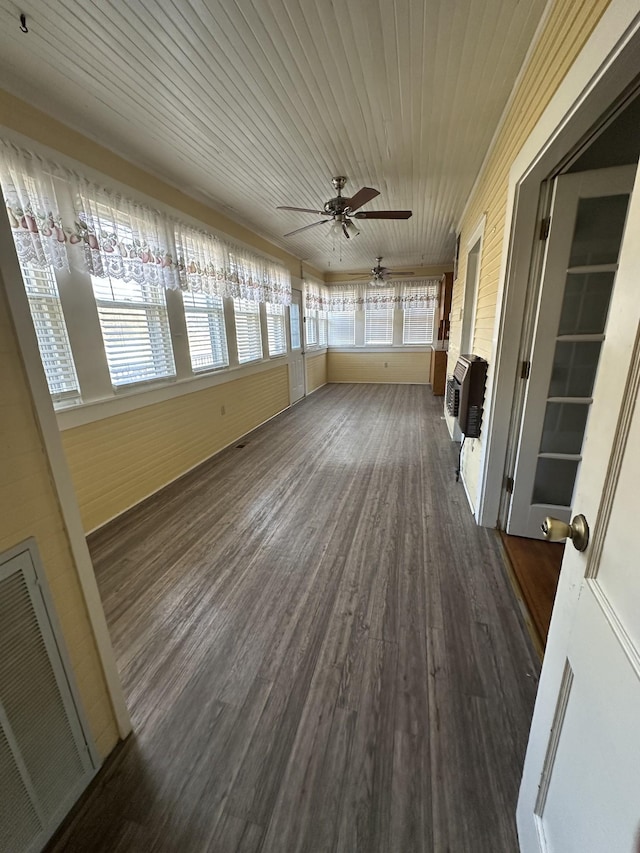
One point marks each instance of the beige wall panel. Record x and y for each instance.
(29, 507)
(569, 25)
(402, 367)
(118, 461)
(316, 367)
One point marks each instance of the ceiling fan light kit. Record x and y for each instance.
(380, 275)
(341, 211)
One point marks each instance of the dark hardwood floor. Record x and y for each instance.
(320, 649)
(536, 571)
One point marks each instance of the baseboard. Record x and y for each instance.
(317, 388)
(369, 382)
(466, 491)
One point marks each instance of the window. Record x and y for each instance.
(378, 320)
(417, 324)
(248, 335)
(322, 328)
(311, 327)
(342, 328)
(276, 329)
(294, 323)
(135, 330)
(205, 329)
(51, 331)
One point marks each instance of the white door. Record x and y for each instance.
(580, 789)
(581, 259)
(296, 357)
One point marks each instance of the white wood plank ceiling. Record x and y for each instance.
(254, 103)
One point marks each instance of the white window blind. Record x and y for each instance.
(311, 327)
(135, 330)
(205, 329)
(342, 328)
(248, 335)
(276, 328)
(378, 321)
(322, 328)
(51, 331)
(417, 323)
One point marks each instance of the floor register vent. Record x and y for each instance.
(45, 762)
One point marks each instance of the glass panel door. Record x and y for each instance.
(587, 226)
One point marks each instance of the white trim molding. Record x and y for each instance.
(19, 307)
(604, 69)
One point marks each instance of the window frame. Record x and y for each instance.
(62, 346)
(278, 318)
(240, 307)
(156, 316)
(216, 322)
(333, 318)
(373, 312)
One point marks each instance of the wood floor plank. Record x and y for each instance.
(287, 828)
(365, 819)
(320, 649)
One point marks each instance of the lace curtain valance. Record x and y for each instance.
(316, 296)
(40, 235)
(108, 234)
(417, 293)
(124, 239)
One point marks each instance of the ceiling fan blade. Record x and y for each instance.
(396, 274)
(363, 195)
(304, 227)
(383, 214)
(304, 210)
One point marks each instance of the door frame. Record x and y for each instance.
(471, 286)
(602, 74)
(302, 350)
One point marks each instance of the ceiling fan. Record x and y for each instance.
(340, 211)
(380, 274)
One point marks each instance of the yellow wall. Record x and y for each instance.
(118, 461)
(408, 367)
(569, 25)
(29, 507)
(316, 367)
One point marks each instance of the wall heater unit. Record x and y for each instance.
(465, 394)
(44, 758)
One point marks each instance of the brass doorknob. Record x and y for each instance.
(578, 531)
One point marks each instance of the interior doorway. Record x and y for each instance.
(567, 326)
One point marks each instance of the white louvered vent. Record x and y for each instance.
(44, 763)
(19, 821)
